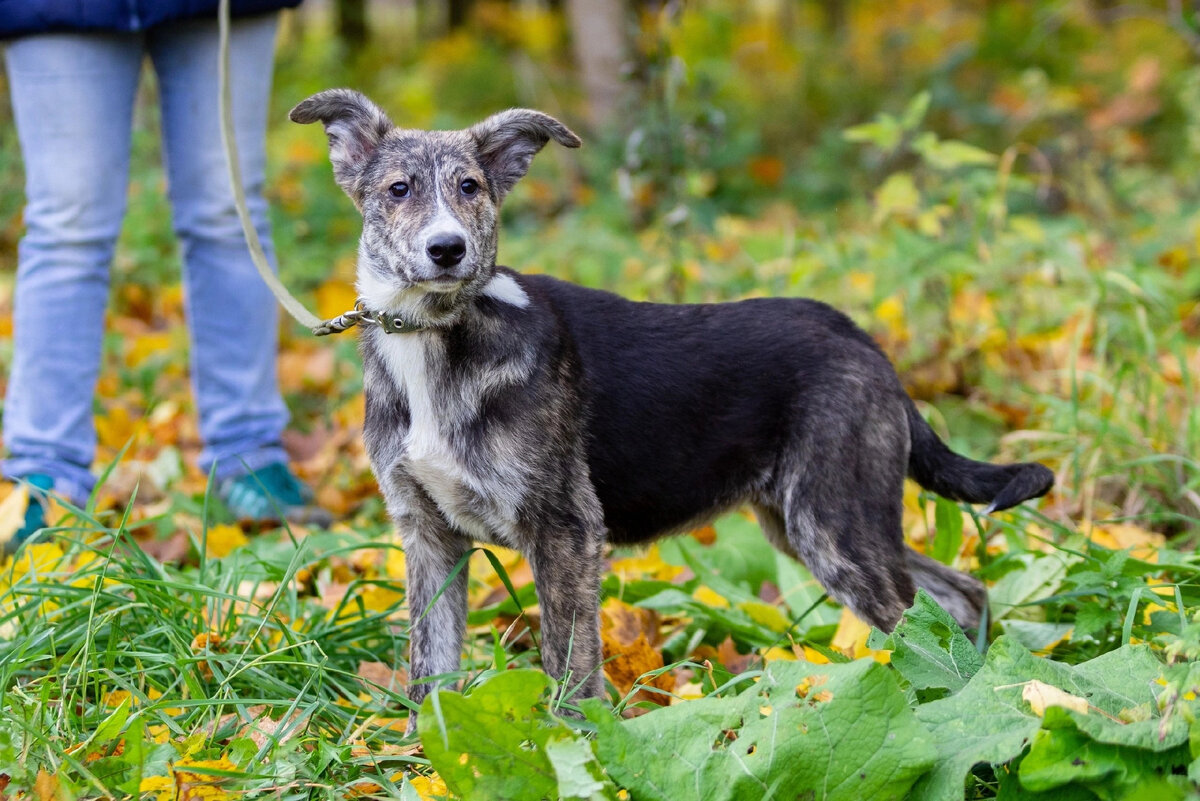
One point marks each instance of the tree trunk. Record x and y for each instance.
(458, 12)
(598, 41)
(351, 16)
(835, 15)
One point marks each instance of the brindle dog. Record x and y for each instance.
(523, 411)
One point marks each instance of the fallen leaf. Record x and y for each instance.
(203, 786)
(429, 787)
(648, 564)
(1040, 695)
(45, 786)
(625, 623)
(206, 642)
(221, 540)
(12, 511)
(706, 595)
(727, 654)
(851, 638)
(382, 675)
(171, 550)
(629, 653)
(333, 298)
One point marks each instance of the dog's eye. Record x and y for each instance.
(469, 186)
(398, 189)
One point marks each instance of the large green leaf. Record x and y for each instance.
(989, 722)
(1062, 754)
(501, 742)
(1039, 576)
(930, 650)
(836, 731)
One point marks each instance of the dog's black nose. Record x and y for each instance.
(446, 250)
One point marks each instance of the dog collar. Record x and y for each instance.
(388, 323)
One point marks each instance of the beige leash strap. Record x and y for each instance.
(257, 255)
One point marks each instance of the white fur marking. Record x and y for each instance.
(504, 288)
(379, 294)
(444, 221)
(429, 456)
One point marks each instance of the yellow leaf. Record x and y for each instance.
(222, 540)
(195, 786)
(625, 622)
(335, 297)
(890, 312)
(429, 787)
(647, 565)
(689, 691)
(709, 597)
(776, 653)
(12, 511)
(1040, 695)
(203, 643)
(162, 788)
(380, 598)
(145, 346)
(766, 615)
(929, 222)
(861, 282)
(394, 565)
(1144, 544)
(116, 427)
(815, 656)
(851, 638)
(40, 557)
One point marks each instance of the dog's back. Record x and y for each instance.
(690, 407)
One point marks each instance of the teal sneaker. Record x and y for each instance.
(270, 494)
(35, 512)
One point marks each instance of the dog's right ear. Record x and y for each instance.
(355, 127)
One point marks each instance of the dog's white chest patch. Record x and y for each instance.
(480, 506)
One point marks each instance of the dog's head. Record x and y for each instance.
(430, 200)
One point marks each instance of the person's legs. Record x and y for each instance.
(72, 97)
(233, 316)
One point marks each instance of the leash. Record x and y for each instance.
(390, 323)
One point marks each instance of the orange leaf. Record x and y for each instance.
(629, 653)
(46, 786)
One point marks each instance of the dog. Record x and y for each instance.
(530, 413)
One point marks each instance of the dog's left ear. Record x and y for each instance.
(508, 141)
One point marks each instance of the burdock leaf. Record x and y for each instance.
(834, 731)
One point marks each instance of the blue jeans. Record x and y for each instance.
(73, 97)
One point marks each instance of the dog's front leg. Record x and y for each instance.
(437, 607)
(566, 570)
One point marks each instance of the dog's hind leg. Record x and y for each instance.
(834, 501)
(962, 595)
(849, 555)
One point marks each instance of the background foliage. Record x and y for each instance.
(1003, 193)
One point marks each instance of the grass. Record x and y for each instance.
(1072, 337)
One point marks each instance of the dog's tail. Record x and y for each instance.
(939, 469)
